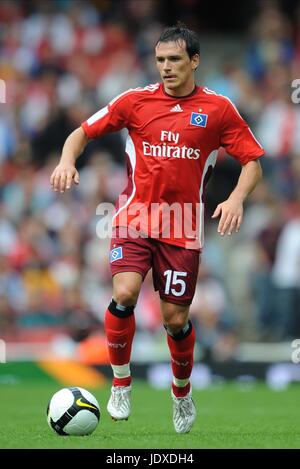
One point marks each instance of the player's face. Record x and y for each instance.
(176, 68)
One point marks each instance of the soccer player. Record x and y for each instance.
(175, 129)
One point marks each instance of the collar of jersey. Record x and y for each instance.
(195, 90)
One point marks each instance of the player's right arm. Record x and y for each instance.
(111, 118)
(65, 172)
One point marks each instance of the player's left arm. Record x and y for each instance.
(231, 210)
(239, 142)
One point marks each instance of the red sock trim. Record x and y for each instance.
(181, 391)
(122, 381)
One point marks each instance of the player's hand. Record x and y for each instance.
(62, 177)
(231, 212)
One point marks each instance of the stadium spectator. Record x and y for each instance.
(286, 277)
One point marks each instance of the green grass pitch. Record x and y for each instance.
(228, 417)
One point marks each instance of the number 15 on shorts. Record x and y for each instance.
(172, 280)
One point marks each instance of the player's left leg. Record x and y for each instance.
(175, 273)
(181, 342)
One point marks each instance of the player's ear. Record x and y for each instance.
(195, 61)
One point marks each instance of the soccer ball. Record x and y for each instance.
(73, 411)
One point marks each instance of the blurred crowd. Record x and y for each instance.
(63, 60)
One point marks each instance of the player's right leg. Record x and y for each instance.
(120, 329)
(130, 260)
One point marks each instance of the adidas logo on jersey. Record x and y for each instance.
(176, 108)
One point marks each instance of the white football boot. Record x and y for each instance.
(184, 413)
(119, 404)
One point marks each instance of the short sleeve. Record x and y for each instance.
(113, 117)
(237, 138)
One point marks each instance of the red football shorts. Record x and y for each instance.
(174, 269)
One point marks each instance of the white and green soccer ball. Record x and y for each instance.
(73, 411)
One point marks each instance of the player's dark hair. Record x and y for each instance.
(180, 32)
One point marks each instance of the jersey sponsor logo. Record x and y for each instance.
(200, 120)
(171, 151)
(169, 147)
(176, 108)
(115, 254)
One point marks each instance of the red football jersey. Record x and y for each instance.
(171, 149)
